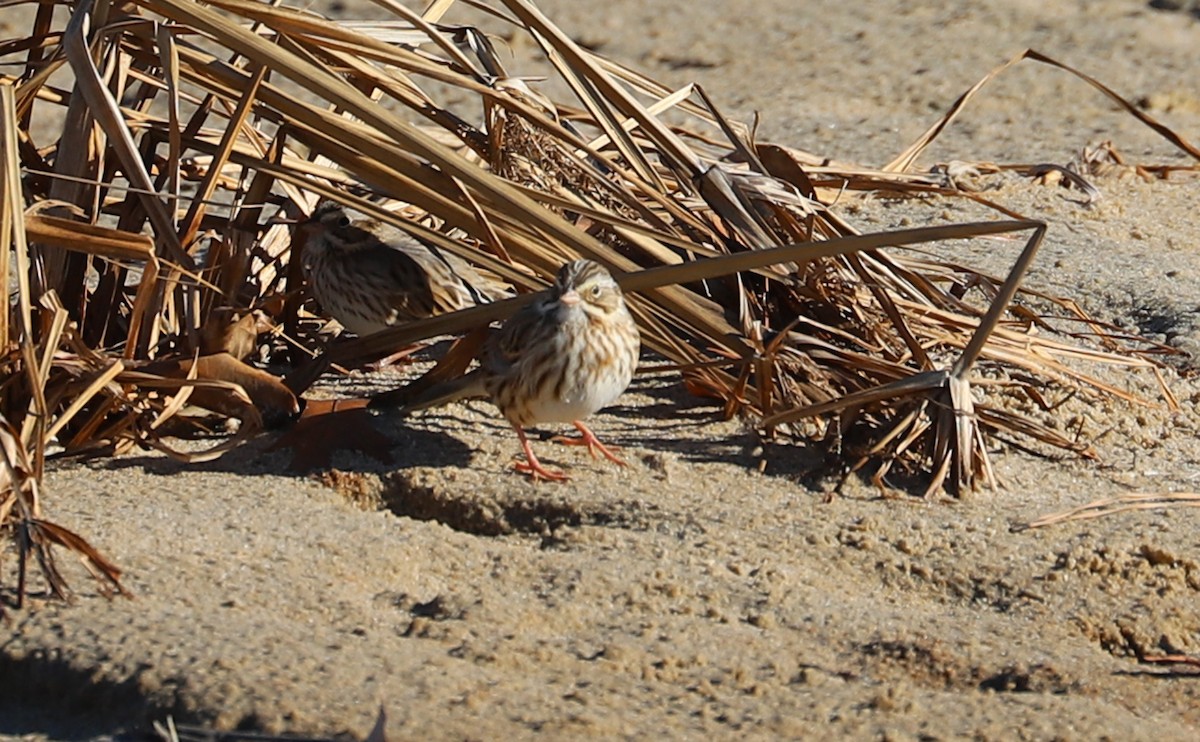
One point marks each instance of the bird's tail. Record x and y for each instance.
(409, 399)
(446, 382)
(443, 393)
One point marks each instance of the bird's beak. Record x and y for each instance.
(570, 298)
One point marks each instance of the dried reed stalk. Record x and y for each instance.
(1114, 505)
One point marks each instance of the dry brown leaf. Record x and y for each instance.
(333, 425)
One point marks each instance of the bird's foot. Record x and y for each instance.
(533, 467)
(402, 355)
(535, 471)
(589, 439)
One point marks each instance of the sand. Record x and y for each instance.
(692, 595)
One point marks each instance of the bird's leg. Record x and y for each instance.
(398, 356)
(533, 467)
(589, 439)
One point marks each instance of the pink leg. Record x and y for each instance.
(533, 467)
(398, 356)
(593, 443)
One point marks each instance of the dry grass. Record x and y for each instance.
(1114, 505)
(149, 256)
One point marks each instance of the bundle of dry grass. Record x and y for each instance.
(152, 147)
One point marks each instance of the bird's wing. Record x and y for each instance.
(528, 328)
(412, 290)
(456, 284)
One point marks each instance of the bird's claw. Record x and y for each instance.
(589, 439)
(535, 471)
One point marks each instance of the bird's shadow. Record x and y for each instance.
(675, 423)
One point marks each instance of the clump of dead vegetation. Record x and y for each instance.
(154, 149)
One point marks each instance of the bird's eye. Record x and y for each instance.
(596, 290)
(343, 221)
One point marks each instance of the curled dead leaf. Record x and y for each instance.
(267, 400)
(228, 332)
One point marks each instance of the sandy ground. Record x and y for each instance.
(690, 595)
